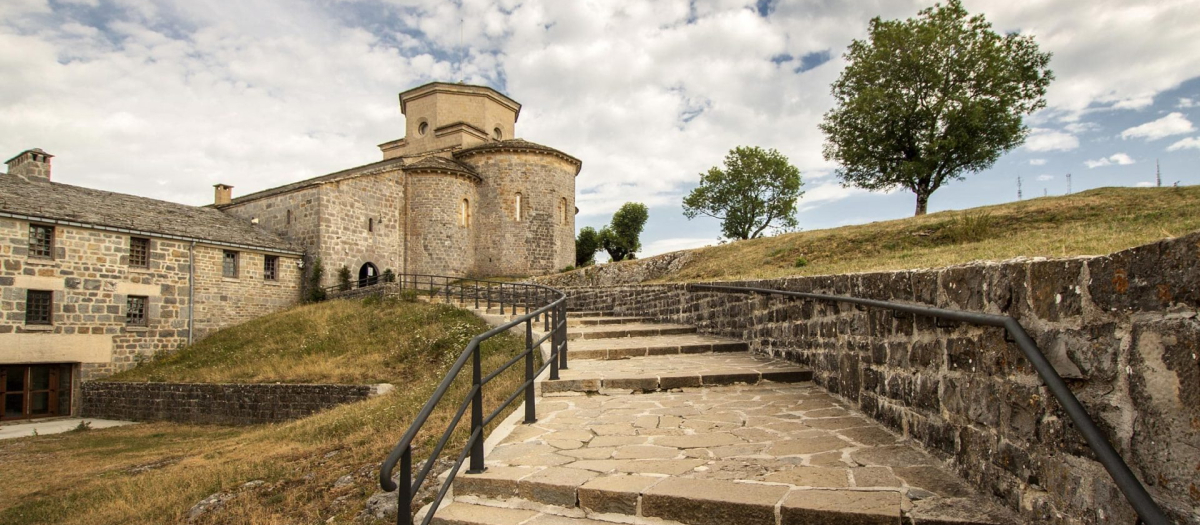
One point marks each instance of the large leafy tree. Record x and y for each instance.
(587, 243)
(926, 100)
(756, 190)
(622, 237)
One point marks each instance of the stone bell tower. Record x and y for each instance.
(446, 116)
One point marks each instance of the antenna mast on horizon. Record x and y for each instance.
(1157, 174)
(1068, 184)
(1018, 188)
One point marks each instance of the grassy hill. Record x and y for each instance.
(1093, 222)
(155, 472)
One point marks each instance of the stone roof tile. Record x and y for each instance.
(64, 202)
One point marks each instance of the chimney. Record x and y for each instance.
(223, 194)
(31, 164)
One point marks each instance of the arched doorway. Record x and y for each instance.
(368, 275)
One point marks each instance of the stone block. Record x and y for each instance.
(554, 486)
(614, 494)
(804, 507)
(704, 502)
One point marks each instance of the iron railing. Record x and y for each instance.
(1145, 506)
(540, 304)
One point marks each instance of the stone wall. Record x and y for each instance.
(439, 243)
(624, 272)
(539, 241)
(272, 213)
(1123, 328)
(91, 280)
(361, 222)
(222, 404)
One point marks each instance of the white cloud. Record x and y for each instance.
(1037, 162)
(825, 193)
(1172, 124)
(1187, 143)
(1043, 139)
(1145, 184)
(1119, 159)
(1045, 178)
(674, 244)
(1185, 103)
(1081, 127)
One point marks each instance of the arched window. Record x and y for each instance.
(422, 128)
(497, 134)
(464, 214)
(566, 219)
(517, 210)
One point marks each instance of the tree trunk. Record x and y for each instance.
(922, 203)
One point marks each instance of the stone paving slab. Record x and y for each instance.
(666, 372)
(704, 455)
(625, 347)
(627, 330)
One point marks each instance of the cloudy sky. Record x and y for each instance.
(166, 98)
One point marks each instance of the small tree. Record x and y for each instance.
(343, 278)
(316, 272)
(924, 101)
(586, 246)
(621, 237)
(756, 190)
(389, 276)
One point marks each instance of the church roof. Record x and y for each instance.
(374, 167)
(442, 164)
(77, 206)
(517, 145)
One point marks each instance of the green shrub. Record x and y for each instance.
(343, 278)
(409, 295)
(567, 268)
(316, 272)
(971, 227)
(389, 276)
(801, 262)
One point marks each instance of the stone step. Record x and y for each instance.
(626, 347)
(765, 454)
(504, 513)
(627, 330)
(587, 313)
(597, 321)
(655, 373)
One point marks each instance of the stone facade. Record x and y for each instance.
(90, 276)
(443, 201)
(221, 404)
(1123, 329)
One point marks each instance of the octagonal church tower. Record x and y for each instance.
(457, 195)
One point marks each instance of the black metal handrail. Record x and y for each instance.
(1140, 499)
(540, 304)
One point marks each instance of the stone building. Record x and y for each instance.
(458, 195)
(91, 281)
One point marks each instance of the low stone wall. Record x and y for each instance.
(1123, 328)
(625, 272)
(218, 403)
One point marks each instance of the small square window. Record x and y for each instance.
(139, 252)
(270, 267)
(41, 241)
(229, 266)
(39, 307)
(135, 310)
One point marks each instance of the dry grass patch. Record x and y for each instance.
(154, 473)
(1093, 222)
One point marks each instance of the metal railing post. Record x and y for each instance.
(530, 408)
(489, 295)
(476, 294)
(477, 413)
(562, 365)
(404, 494)
(526, 299)
(501, 298)
(554, 345)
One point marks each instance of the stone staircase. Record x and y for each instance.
(657, 424)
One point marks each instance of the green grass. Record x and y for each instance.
(1093, 222)
(92, 477)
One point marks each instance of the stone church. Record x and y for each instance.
(458, 195)
(92, 281)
